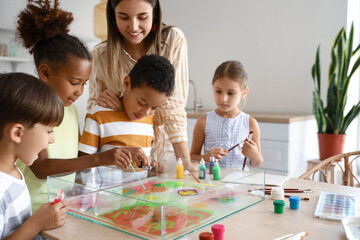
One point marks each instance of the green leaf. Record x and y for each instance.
(350, 116)
(355, 67)
(332, 63)
(355, 51)
(338, 37)
(349, 43)
(316, 71)
(331, 97)
(318, 111)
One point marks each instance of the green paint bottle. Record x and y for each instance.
(216, 171)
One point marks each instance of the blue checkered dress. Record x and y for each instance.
(225, 133)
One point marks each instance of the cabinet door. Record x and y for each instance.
(275, 155)
(190, 127)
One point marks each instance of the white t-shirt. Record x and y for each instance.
(15, 204)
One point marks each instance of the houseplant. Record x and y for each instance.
(332, 121)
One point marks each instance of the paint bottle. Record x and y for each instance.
(202, 169)
(218, 231)
(216, 171)
(277, 193)
(294, 202)
(211, 164)
(206, 236)
(279, 206)
(179, 169)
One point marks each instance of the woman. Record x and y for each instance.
(134, 29)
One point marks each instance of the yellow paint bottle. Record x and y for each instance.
(179, 169)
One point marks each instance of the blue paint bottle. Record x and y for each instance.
(202, 169)
(211, 164)
(294, 202)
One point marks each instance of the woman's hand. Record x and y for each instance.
(108, 99)
(218, 153)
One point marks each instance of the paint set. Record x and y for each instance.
(336, 206)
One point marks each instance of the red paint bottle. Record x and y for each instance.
(218, 231)
(206, 236)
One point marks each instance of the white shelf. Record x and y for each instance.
(7, 29)
(14, 59)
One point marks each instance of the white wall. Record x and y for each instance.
(276, 40)
(82, 27)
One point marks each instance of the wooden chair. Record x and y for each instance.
(323, 168)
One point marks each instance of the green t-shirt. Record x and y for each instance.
(65, 146)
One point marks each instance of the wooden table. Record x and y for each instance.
(256, 222)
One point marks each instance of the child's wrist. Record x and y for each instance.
(34, 225)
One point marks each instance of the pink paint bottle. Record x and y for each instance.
(218, 231)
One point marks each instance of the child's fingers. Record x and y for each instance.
(122, 158)
(138, 155)
(142, 160)
(61, 204)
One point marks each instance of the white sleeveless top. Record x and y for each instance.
(225, 133)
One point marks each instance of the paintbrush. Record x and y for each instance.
(287, 196)
(195, 177)
(138, 177)
(249, 139)
(293, 191)
(287, 190)
(233, 147)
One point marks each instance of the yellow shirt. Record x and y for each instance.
(65, 146)
(171, 117)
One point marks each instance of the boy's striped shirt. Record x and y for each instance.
(106, 129)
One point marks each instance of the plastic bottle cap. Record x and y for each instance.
(294, 202)
(206, 236)
(277, 193)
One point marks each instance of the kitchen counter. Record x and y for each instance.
(265, 117)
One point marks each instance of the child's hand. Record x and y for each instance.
(250, 149)
(117, 156)
(50, 216)
(138, 156)
(218, 153)
(157, 168)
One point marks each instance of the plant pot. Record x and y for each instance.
(330, 144)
